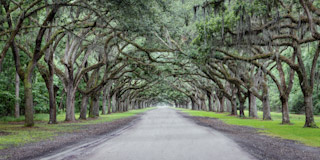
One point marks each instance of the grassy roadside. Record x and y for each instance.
(307, 136)
(13, 132)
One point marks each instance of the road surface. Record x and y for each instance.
(161, 134)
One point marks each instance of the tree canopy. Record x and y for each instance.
(111, 56)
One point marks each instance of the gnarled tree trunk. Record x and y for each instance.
(84, 106)
(285, 110)
(70, 102)
(252, 106)
(94, 106)
(309, 110)
(234, 107)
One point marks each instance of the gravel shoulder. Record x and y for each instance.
(59, 143)
(258, 145)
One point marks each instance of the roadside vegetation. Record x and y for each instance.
(307, 136)
(14, 133)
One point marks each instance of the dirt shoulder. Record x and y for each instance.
(260, 146)
(87, 132)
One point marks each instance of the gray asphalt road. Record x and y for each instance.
(162, 134)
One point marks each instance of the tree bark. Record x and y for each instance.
(234, 107)
(218, 104)
(120, 107)
(285, 110)
(193, 105)
(109, 103)
(241, 108)
(70, 102)
(61, 100)
(242, 100)
(17, 102)
(114, 104)
(252, 106)
(52, 101)
(117, 105)
(228, 105)
(309, 110)
(203, 105)
(202, 102)
(214, 106)
(210, 101)
(52, 90)
(104, 101)
(84, 106)
(221, 100)
(265, 100)
(94, 106)
(28, 100)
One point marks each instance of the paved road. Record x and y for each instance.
(162, 134)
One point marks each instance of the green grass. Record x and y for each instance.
(307, 136)
(17, 134)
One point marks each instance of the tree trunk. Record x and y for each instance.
(218, 104)
(285, 110)
(135, 104)
(28, 100)
(139, 105)
(52, 101)
(104, 101)
(309, 110)
(61, 100)
(307, 84)
(109, 103)
(17, 102)
(214, 106)
(126, 105)
(252, 106)
(266, 107)
(70, 102)
(221, 100)
(193, 105)
(120, 106)
(84, 106)
(228, 105)
(265, 100)
(29, 122)
(202, 103)
(234, 107)
(241, 108)
(94, 106)
(196, 105)
(210, 101)
(117, 105)
(114, 104)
